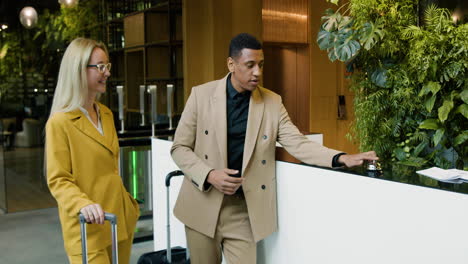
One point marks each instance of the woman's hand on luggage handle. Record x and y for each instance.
(224, 183)
(93, 214)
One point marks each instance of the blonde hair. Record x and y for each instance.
(72, 84)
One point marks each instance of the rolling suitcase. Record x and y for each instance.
(175, 255)
(112, 218)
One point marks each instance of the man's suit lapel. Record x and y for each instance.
(256, 109)
(82, 123)
(218, 105)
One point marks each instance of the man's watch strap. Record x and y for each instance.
(335, 162)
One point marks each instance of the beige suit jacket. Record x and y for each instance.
(200, 145)
(82, 169)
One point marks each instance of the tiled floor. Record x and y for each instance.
(35, 237)
(26, 187)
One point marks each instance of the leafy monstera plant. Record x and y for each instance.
(343, 38)
(410, 81)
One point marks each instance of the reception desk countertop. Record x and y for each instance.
(412, 179)
(335, 216)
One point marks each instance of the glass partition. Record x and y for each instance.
(23, 113)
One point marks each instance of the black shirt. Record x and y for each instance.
(237, 113)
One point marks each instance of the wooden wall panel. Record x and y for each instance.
(208, 26)
(286, 72)
(246, 17)
(303, 89)
(285, 21)
(280, 75)
(197, 17)
(222, 34)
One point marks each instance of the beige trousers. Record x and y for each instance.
(233, 236)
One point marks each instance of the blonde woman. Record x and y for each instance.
(82, 156)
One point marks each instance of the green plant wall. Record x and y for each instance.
(56, 30)
(39, 50)
(10, 62)
(409, 77)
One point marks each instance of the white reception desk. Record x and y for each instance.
(328, 216)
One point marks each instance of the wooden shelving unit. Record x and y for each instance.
(152, 45)
(145, 47)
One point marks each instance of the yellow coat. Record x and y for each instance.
(82, 169)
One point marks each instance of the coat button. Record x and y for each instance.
(263, 187)
(263, 162)
(206, 156)
(265, 137)
(206, 132)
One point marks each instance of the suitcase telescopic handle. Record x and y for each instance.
(168, 221)
(112, 218)
(172, 174)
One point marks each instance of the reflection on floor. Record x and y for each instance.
(26, 187)
(22, 237)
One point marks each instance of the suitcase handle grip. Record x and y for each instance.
(107, 217)
(172, 174)
(84, 244)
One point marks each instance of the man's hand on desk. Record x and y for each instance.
(357, 159)
(221, 180)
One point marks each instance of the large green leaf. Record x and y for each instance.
(332, 55)
(414, 162)
(325, 39)
(438, 136)
(463, 109)
(347, 50)
(419, 148)
(433, 87)
(331, 21)
(370, 34)
(445, 109)
(355, 47)
(464, 96)
(460, 138)
(400, 154)
(379, 77)
(344, 22)
(429, 103)
(430, 124)
(411, 31)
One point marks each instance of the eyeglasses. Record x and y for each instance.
(101, 67)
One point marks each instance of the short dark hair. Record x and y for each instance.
(243, 41)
